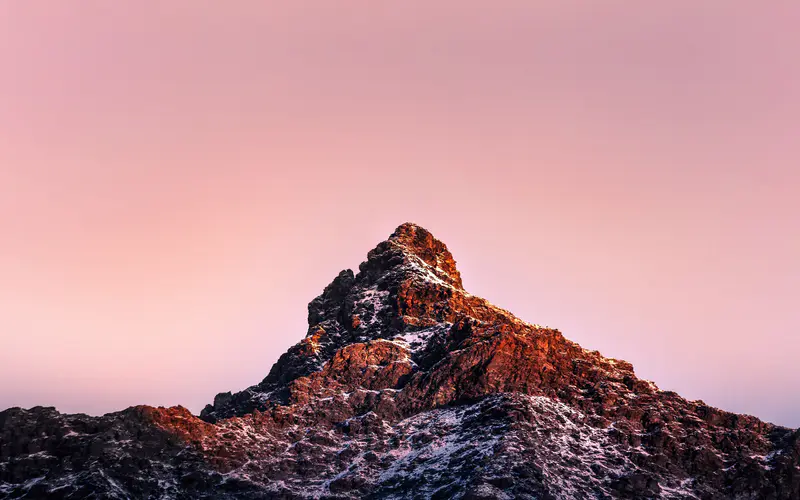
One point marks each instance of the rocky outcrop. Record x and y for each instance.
(407, 386)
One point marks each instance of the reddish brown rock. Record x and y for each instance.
(407, 386)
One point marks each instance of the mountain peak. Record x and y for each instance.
(416, 249)
(409, 282)
(419, 242)
(405, 385)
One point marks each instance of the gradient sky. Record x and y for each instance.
(179, 179)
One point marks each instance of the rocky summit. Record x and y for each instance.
(407, 386)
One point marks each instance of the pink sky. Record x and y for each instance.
(176, 183)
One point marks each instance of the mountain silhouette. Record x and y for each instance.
(408, 386)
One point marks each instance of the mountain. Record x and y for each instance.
(407, 386)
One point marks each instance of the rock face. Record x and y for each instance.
(407, 386)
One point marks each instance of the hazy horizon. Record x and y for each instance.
(178, 181)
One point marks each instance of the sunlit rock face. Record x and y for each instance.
(407, 386)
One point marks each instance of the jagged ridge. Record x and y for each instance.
(408, 386)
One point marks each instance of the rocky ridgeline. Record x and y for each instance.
(407, 386)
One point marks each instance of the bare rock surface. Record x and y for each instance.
(407, 386)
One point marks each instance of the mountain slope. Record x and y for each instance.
(407, 386)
